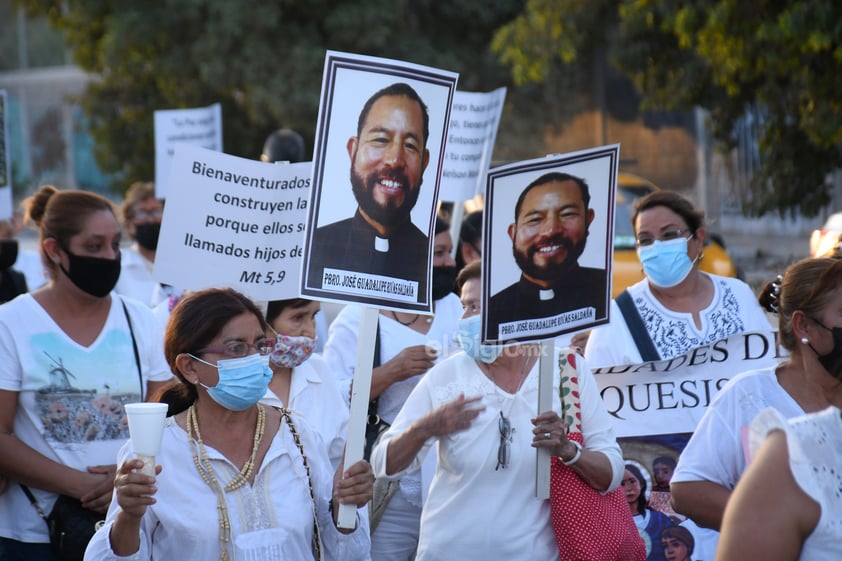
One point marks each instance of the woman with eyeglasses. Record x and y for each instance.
(72, 354)
(236, 479)
(479, 408)
(678, 306)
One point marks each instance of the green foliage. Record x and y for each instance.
(727, 56)
(263, 62)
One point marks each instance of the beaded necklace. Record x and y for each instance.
(203, 465)
(209, 476)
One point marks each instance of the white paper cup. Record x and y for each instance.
(146, 427)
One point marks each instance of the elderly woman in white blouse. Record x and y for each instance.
(480, 407)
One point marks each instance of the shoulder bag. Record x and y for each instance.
(588, 525)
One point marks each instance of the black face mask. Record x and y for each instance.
(832, 361)
(8, 254)
(444, 281)
(94, 275)
(147, 235)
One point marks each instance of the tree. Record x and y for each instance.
(263, 62)
(780, 60)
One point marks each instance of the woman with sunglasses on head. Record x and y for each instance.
(72, 353)
(479, 408)
(301, 380)
(236, 479)
(680, 306)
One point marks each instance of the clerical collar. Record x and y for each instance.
(381, 244)
(544, 295)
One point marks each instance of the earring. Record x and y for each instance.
(805, 341)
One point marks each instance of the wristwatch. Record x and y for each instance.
(575, 457)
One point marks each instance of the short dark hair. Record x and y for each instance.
(397, 89)
(275, 307)
(472, 270)
(549, 178)
(670, 199)
(681, 534)
(666, 460)
(284, 145)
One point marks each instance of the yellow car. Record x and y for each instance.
(627, 269)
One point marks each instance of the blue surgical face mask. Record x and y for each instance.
(468, 336)
(242, 381)
(666, 263)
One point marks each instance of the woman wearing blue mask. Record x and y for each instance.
(479, 408)
(679, 306)
(301, 379)
(236, 479)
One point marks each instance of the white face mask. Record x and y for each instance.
(666, 263)
(468, 336)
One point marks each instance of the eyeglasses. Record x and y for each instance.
(504, 451)
(158, 213)
(241, 348)
(667, 236)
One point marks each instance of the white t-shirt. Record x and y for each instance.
(474, 511)
(314, 395)
(815, 454)
(276, 510)
(70, 402)
(718, 450)
(733, 309)
(136, 279)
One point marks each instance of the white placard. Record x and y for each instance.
(670, 396)
(6, 210)
(380, 120)
(474, 119)
(173, 127)
(233, 222)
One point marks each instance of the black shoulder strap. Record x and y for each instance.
(372, 405)
(33, 500)
(638, 330)
(134, 347)
(18, 281)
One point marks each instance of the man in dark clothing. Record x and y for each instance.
(388, 159)
(552, 217)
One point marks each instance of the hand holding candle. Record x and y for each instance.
(146, 427)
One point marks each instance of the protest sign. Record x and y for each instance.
(173, 127)
(6, 210)
(657, 405)
(547, 243)
(369, 240)
(474, 119)
(233, 222)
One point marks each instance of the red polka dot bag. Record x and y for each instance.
(588, 526)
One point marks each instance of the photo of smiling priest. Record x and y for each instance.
(550, 259)
(382, 130)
